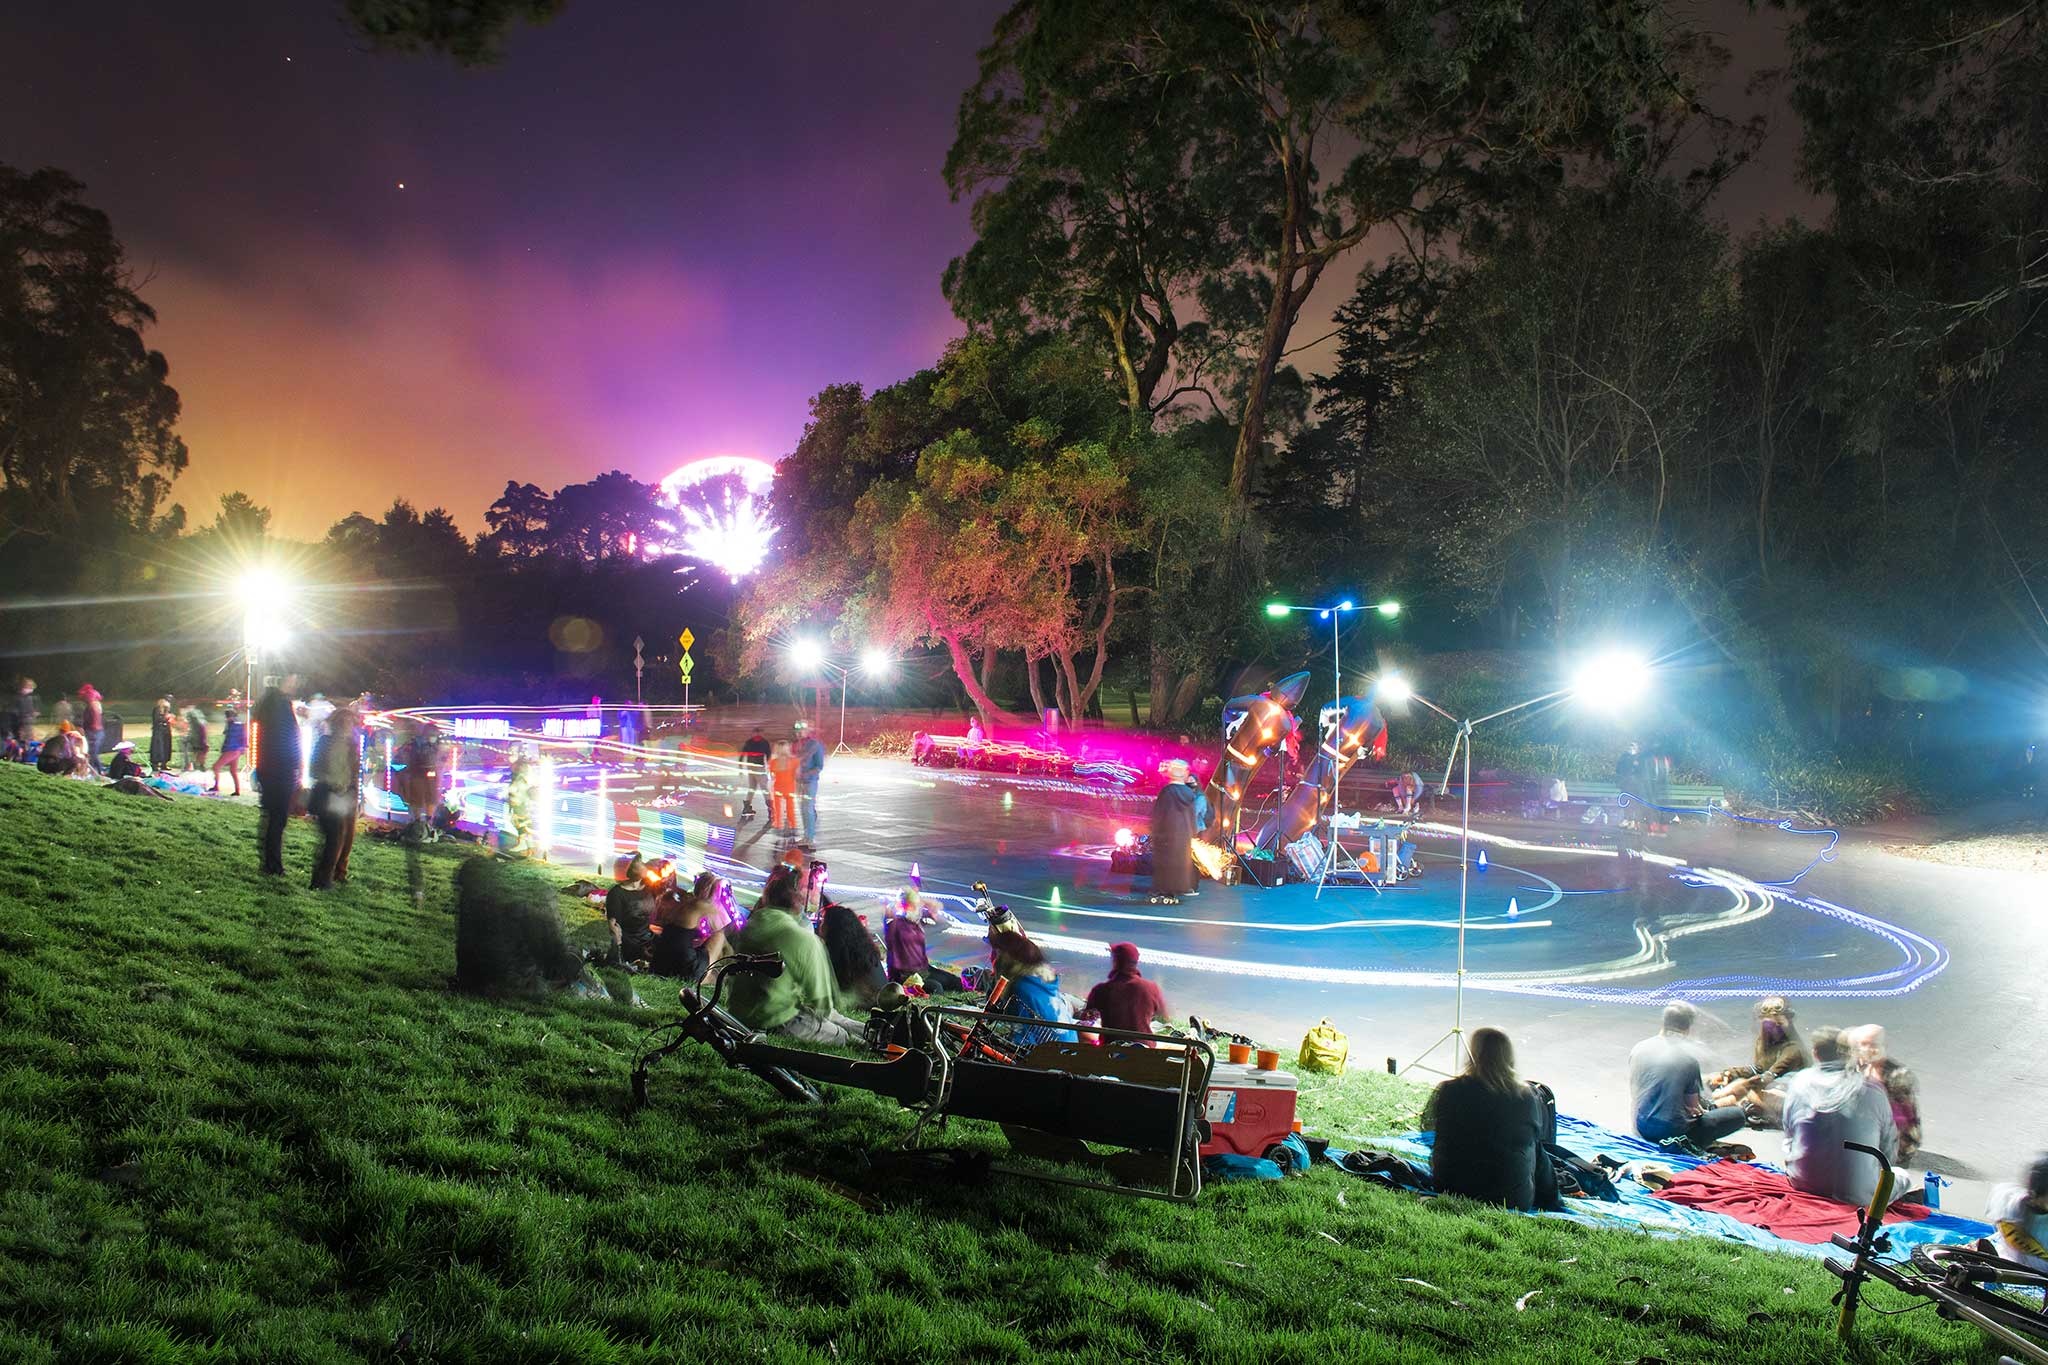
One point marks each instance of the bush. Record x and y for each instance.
(889, 743)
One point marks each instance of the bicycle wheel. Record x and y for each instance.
(1991, 1285)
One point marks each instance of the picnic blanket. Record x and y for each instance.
(1639, 1207)
(1765, 1198)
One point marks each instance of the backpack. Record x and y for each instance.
(1575, 1176)
(1324, 1049)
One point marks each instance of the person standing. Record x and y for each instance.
(25, 711)
(782, 788)
(810, 767)
(195, 739)
(1178, 813)
(754, 763)
(278, 764)
(92, 715)
(160, 735)
(1628, 770)
(234, 742)
(337, 789)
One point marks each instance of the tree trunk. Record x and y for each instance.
(1161, 689)
(1132, 697)
(1185, 695)
(1031, 680)
(988, 670)
(963, 670)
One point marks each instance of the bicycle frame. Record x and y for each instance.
(1949, 1294)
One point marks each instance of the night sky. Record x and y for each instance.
(649, 234)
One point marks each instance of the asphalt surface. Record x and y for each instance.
(1948, 960)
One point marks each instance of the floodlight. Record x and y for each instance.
(1389, 609)
(877, 663)
(807, 654)
(1393, 687)
(1612, 679)
(1277, 608)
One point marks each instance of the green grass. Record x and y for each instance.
(244, 1122)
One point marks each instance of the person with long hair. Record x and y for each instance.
(1490, 1130)
(1776, 1052)
(196, 745)
(1031, 989)
(857, 976)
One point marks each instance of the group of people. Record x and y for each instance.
(1838, 1086)
(788, 771)
(72, 746)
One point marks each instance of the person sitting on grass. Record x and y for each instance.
(798, 1003)
(1669, 1094)
(1826, 1105)
(123, 763)
(1901, 1087)
(903, 937)
(2020, 1215)
(693, 928)
(1126, 1000)
(1776, 1054)
(1031, 989)
(1490, 1131)
(629, 910)
(857, 975)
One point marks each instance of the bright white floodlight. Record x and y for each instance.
(807, 654)
(1393, 687)
(1612, 679)
(876, 663)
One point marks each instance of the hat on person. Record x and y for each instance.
(124, 744)
(1123, 957)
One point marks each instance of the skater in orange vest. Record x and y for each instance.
(782, 788)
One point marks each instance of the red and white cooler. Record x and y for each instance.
(1249, 1111)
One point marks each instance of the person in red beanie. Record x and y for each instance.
(1126, 1000)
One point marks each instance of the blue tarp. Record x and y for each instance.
(1640, 1208)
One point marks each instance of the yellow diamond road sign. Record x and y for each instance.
(688, 637)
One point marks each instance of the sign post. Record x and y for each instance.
(639, 664)
(686, 639)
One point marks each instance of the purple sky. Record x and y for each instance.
(649, 234)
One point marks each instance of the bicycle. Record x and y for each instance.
(1964, 1284)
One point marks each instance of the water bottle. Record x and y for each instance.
(1933, 1185)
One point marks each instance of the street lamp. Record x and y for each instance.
(1608, 680)
(264, 597)
(1335, 616)
(810, 655)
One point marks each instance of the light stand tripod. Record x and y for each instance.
(1456, 1037)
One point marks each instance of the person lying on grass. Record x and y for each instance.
(797, 1003)
(1490, 1131)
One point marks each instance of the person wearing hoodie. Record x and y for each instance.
(1178, 813)
(1826, 1105)
(1126, 1000)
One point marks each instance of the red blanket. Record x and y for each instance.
(1765, 1199)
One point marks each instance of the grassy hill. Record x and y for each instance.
(240, 1121)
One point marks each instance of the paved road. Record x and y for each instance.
(1946, 959)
